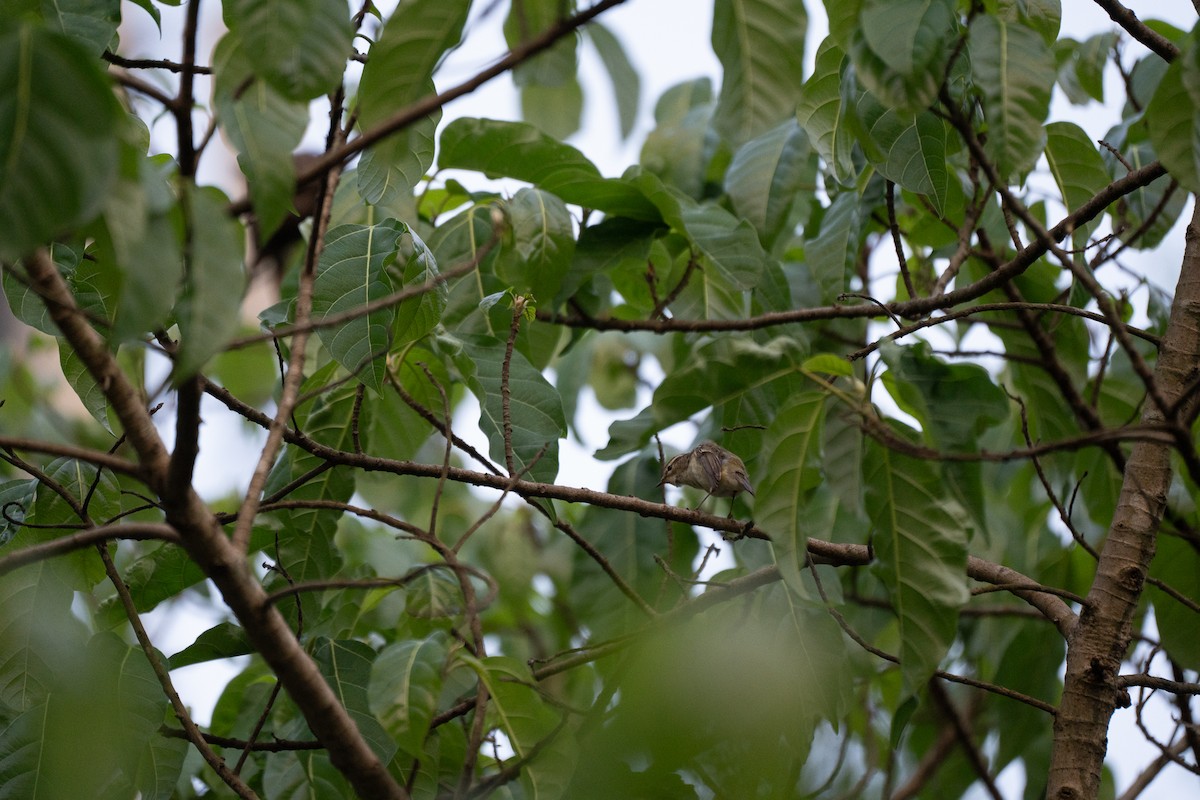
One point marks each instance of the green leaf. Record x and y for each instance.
(352, 272)
(25, 303)
(730, 245)
(264, 126)
(792, 469)
(557, 110)
(1014, 71)
(741, 375)
(617, 248)
(160, 767)
(770, 177)
(1148, 210)
(96, 493)
(1173, 118)
(416, 316)
(922, 557)
(529, 722)
(829, 364)
(1043, 16)
(540, 242)
(1078, 170)
(213, 284)
(626, 82)
(92, 23)
(820, 111)
(680, 149)
(139, 244)
(832, 254)
(537, 415)
(306, 534)
(398, 73)
(909, 150)
(58, 138)
(554, 66)
(300, 47)
(406, 679)
(1175, 565)
(955, 403)
(519, 150)
(223, 640)
(760, 44)
(85, 386)
(901, 49)
(346, 665)
(16, 499)
(89, 732)
(1081, 66)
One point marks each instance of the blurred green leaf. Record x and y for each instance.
(215, 278)
(264, 125)
(626, 83)
(398, 73)
(58, 138)
(300, 47)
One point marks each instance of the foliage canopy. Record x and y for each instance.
(892, 284)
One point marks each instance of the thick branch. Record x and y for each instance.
(1091, 688)
(208, 546)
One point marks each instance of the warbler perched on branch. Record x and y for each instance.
(710, 467)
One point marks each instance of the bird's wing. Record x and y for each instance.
(710, 463)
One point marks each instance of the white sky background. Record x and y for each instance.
(668, 42)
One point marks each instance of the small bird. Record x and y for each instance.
(710, 467)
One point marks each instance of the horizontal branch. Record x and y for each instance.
(907, 308)
(1155, 682)
(393, 299)
(953, 316)
(273, 746)
(97, 457)
(61, 545)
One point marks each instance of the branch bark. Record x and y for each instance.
(1091, 688)
(212, 551)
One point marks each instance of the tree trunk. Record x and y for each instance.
(1099, 642)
